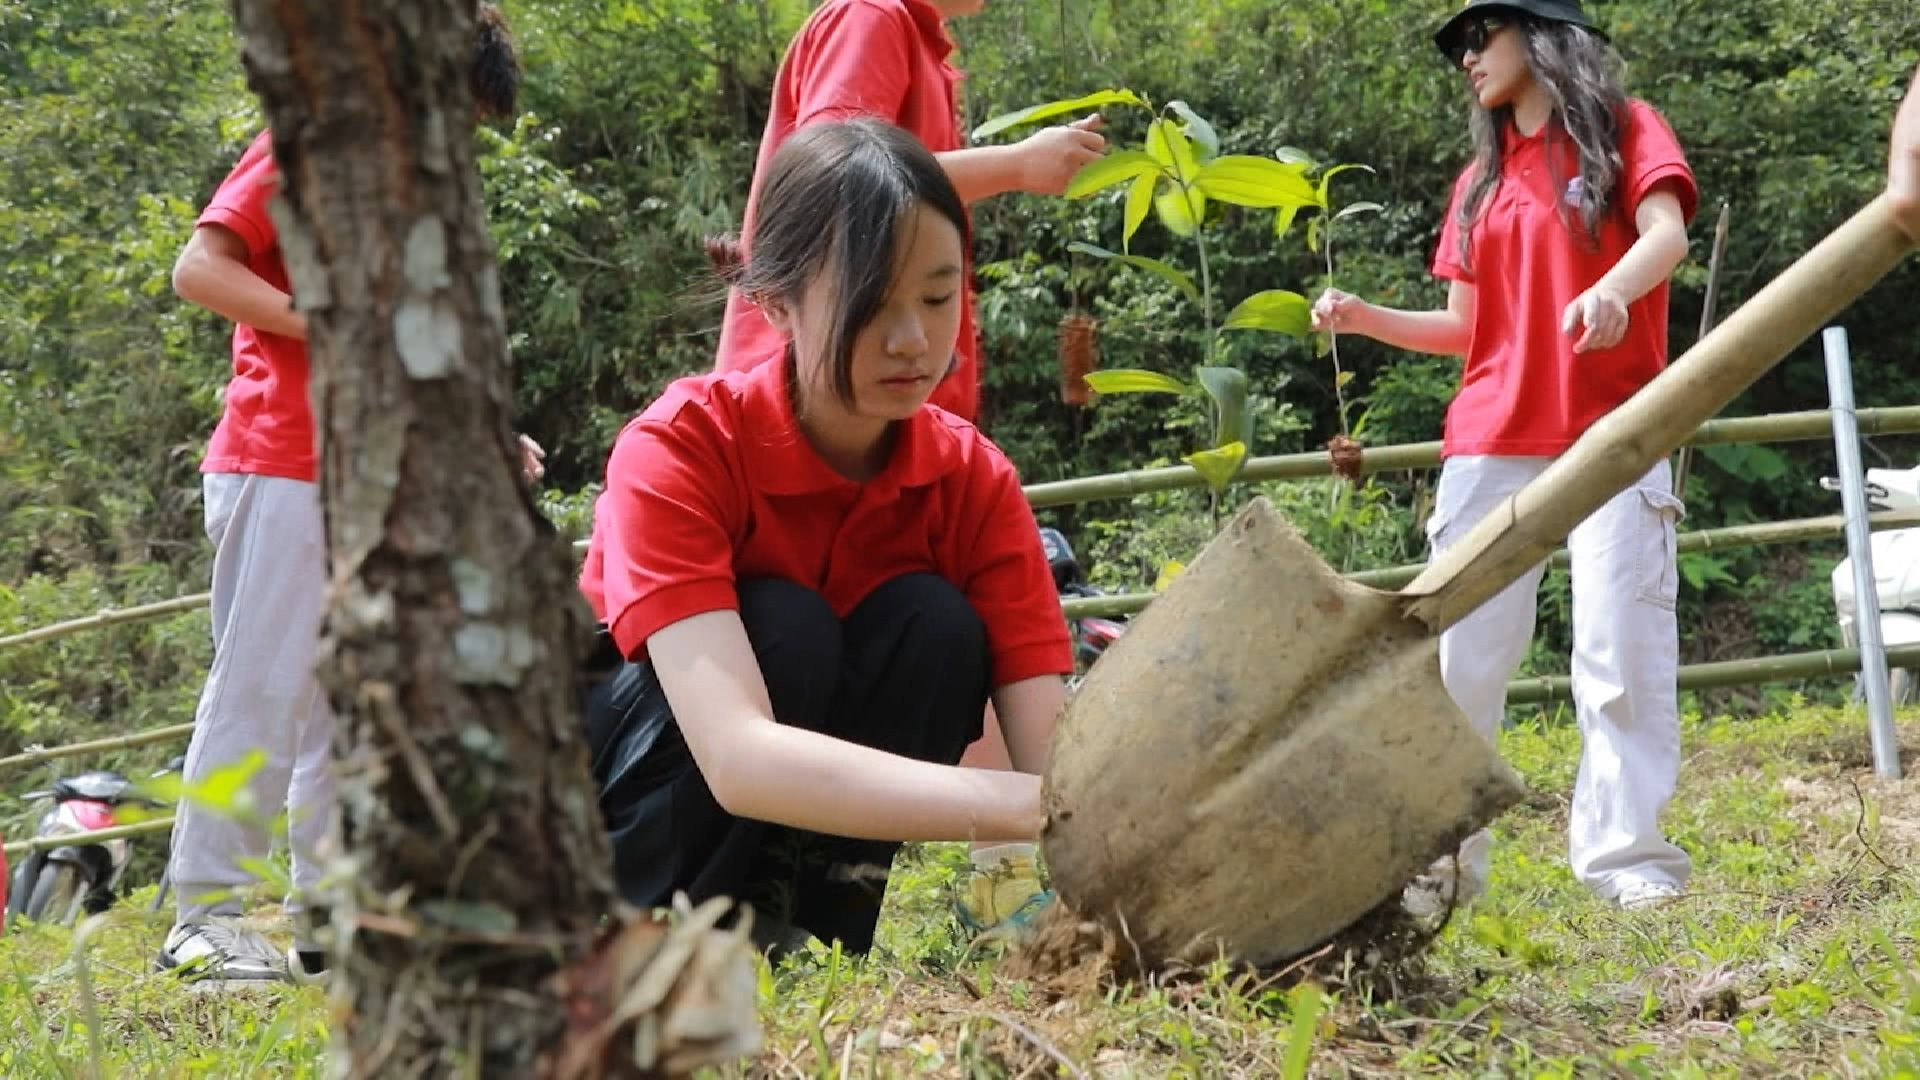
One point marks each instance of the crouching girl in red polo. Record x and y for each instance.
(816, 579)
(1558, 245)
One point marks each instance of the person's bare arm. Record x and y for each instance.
(760, 769)
(212, 272)
(1028, 710)
(1041, 163)
(1445, 332)
(1599, 315)
(1903, 162)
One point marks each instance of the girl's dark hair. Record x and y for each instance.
(495, 74)
(1586, 78)
(834, 200)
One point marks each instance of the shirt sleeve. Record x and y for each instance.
(1009, 585)
(240, 202)
(1449, 261)
(661, 527)
(1651, 155)
(853, 60)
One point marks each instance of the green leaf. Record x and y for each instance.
(1139, 204)
(1104, 172)
(1227, 386)
(1135, 381)
(1220, 465)
(1245, 180)
(1035, 113)
(1306, 1003)
(1197, 129)
(1343, 379)
(1293, 155)
(1175, 277)
(1277, 310)
(1283, 221)
(224, 791)
(1314, 229)
(1326, 179)
(1184, 208)
(1176, 211)
(1170, 147)
(1353, 209)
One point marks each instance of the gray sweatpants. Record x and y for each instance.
(269, 584)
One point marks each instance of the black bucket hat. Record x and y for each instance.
(1565, 11)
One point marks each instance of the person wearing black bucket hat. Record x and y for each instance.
(1467, 29)
(1557, 247)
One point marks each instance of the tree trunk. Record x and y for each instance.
(453, 627)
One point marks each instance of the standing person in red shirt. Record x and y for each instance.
(816, 581)
(1558, 245)
(269, 570)
(890, 59)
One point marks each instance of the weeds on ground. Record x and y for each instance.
(1792, 955)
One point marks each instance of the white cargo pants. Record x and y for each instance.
(1625, 658)
(269, 585)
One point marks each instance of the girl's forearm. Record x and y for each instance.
(1649, 262)
(806, 780)
(1444, 332)
(227, 288)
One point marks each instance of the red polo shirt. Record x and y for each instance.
(267, 427)
(1523, 390)
(879, 58)
(715, 483)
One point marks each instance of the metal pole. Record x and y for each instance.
(1853, 502)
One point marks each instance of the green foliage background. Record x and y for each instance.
(117, 118)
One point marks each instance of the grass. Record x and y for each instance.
(1793, 955)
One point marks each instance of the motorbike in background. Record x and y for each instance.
(1896, 574)
(57, 884)
(1091, 634)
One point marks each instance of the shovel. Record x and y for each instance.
(1268, 754)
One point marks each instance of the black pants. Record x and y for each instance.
(906, 671)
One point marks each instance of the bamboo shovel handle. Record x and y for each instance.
(1620, 448)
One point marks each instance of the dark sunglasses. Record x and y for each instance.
(1474, 35)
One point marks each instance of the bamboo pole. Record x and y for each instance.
(109, 617)
(117, 742)
(1683, 462)
(1544, 690)
(97, 836)
(1722, 539)
(120, 616)
(1775, 427)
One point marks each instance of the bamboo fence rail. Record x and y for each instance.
(1778, 427)
(36, 755)
(1732, 536)
(1543, 690)
(97, 836)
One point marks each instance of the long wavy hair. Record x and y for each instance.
(1586, 78)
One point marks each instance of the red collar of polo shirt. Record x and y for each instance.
(784, 463)
(933, 27)
(1512, 139)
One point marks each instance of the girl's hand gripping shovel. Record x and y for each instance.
(1269, 754)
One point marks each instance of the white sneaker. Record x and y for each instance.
(1447, 883)
(1647, 895)
(221, 950)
